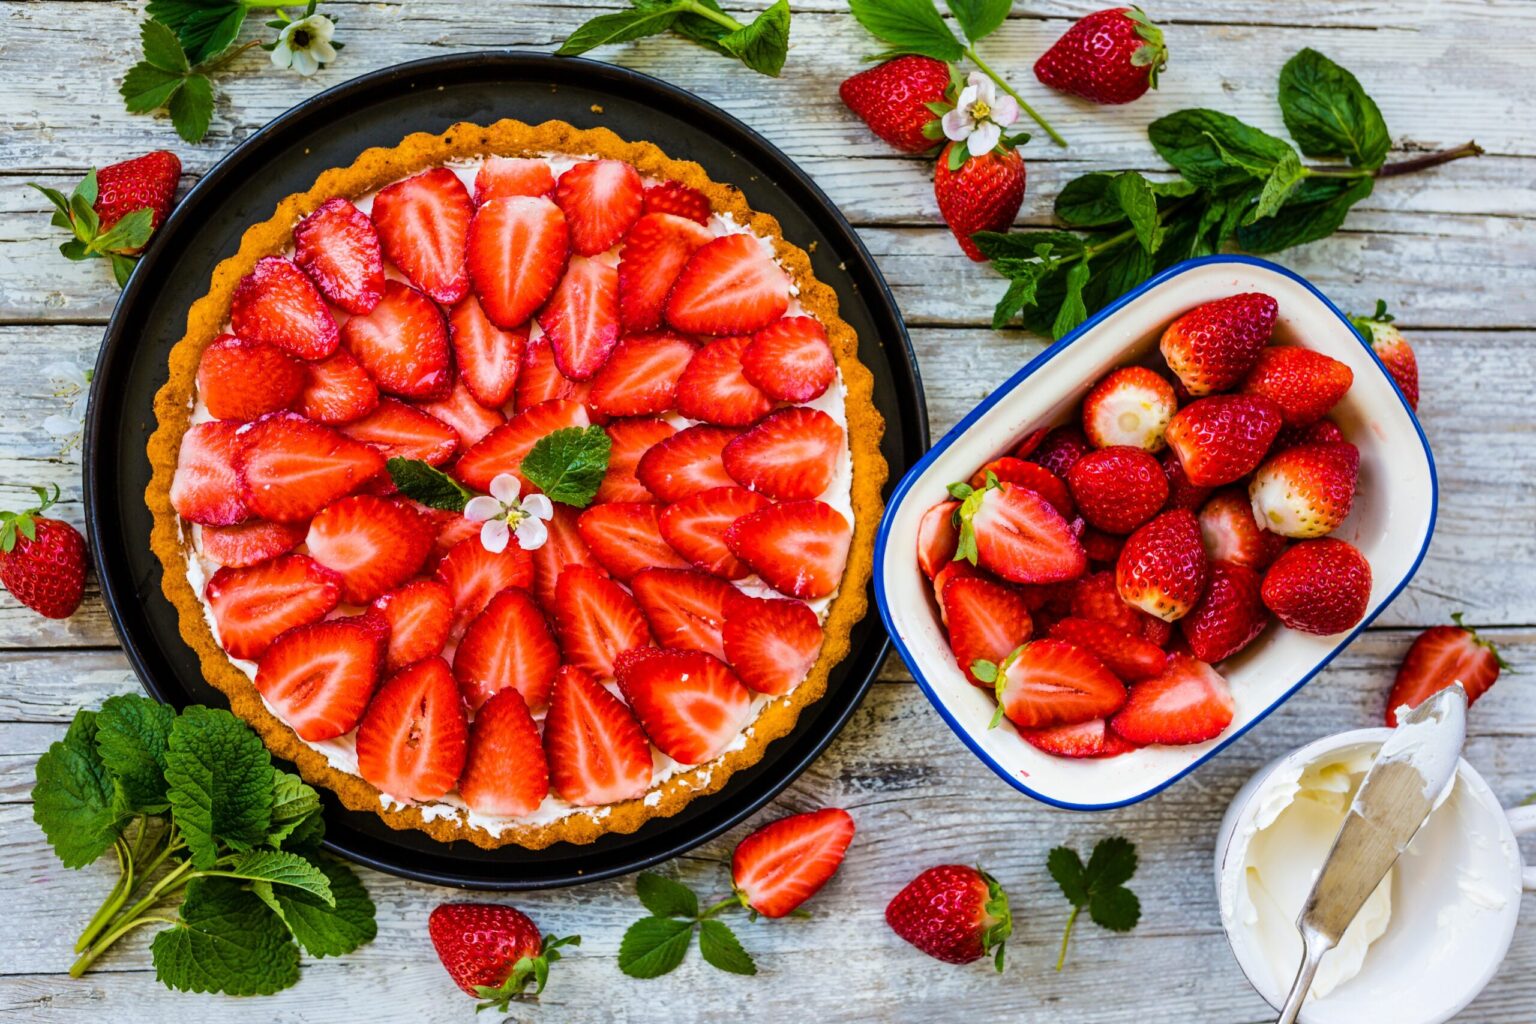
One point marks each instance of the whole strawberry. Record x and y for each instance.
(1305, 384)
(1319, 586)
(493, 951)
(145, 182)
(1213, 346)
(892, 98)
(953, 913)
(42, 560)
(1306, 491)
(1111, 56)
(127, 201)
(1162, 568)
(1392, 349)
(1230, 615)
(1440, 656)
(982, 193)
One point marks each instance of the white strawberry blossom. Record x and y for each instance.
(305, 45)
(980, 115)
(503, 515)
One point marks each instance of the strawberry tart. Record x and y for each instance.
(519, 484)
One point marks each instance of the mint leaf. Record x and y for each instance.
(1329, 114)
(428, 485)
(203, 27)
(226, 941)
(654, 946)
(620, 27)
(702, 30)
(763, 44)
(910, 26)
(131, 737)
(665, 897)
(306, 835)
(1134, 195)
(277, 868)
(293, 802)
(979, 18)
(1073, 310)
(325, 929)
(1215, 150)
(1316, 209)
(568, 465)
(75, 802)
(719, 946)
(220, 783)
(1278, 187)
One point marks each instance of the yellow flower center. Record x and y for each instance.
(980, 111)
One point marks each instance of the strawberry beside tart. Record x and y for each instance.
(517, 483)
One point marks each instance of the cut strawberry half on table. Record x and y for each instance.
(239, 379)
(1188, 702)
(1162, 568)
(1231, 534)
(581, 318)
(1051, 682)
(629, 441)
(986, 622)
(1012, 470)
(714, 387)
(337, 390)
(1018, 535)
(596, 620)
(251, 542)
(772, 644)
(1306, 491)
(686, 608)
(253, 606)
(1440, 656)
(374, 545)
(799, 548)
(507, 645)
(786, 862)
(563, 547)
(937, 535)
(469, 420)
(625, 538)
(502, 176)
(339, 250)
(678, 199)
(517, 252)
(418, 615)
(686, 463)
(318, 678)
(652, 256)
(1230, 615)
(474, 575)
(602, 200)
(1304, 383)
(412, 741)
(400, 431)
(502, 450)
(1212, 347)
(290, 468)
(695, 528)
(640, 377)
(1222, 438)
(505, 773)
(206, 485)
(791, 455)
(1093, 738)
(729, 286)
(423, 226)
(1130, 656)
(488, 357)
(598, 754)
(689, 703)
(790, 360)
(276, 303)
(540, 380)
(403, 344)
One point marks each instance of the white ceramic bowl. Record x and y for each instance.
(1391, 522)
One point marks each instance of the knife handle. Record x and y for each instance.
(1315, 944)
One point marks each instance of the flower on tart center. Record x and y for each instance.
(503, 514)
(980, 115)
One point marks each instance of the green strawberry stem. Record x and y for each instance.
(1045, 125)
(1066, 937)
(718, 17)
(219, 62)
(733, 900)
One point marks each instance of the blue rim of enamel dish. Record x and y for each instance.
(959, 430)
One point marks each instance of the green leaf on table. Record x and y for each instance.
(202, 27)
(306, 835)
(1278, 187)
(1115, 908)
(719, 947)
(191, 108)
(279, 868)
(1329, 114)
(428, 485)
(910, 26)
(1215, 150)
(122, 267)
(166, 79)
(146, 87)
(1088, 201)
(568, 465)
(75, 801)
(132, 733)
(763, 44)
(227, 941)
(293, 802)
(1097, 887)
(621, 27)
(1073, 311)
(1315, 210)
(654, 946)
(1133, 193)
(1116, 272)
(1026, 245)
(666, 897)
(325, 929)
(220, 783)
(979, 18)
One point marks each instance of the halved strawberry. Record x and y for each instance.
(505, 772)
(1188, 702)
(423, 225)
(252, 606)
(1230, 615)
(318, 678)
(240, 379)
(474, 575)
(400, 431)
(730, 285)
(799, 548)
(625, 537)
(1016, 534)
(1093, 738)
(501, 176)
(686, 463)
(1304, 383)
(937, 535)
(678, 199)
(517, 252)
(790, 359)
(695, 528)
(1129, 406)
(640, 377)
(339, 249)
(502, 450)
(540, 380)
(961, 570)
(251, 542)
(412, 741)
(1013, 470)
(581, 318)
(563, 547)
(685, 608)
(403, 344)
(596, 620)
(1162, 568)
(1439, 657)
(206, 486)
(602, 201)
(772, 644)
(786, 862)
(374, 545)
(1128, 655)
(469, 420)
(1051, 682)
(598, 754)
(488, 357)
(337, 390)
(1231, 534)
(715, 389)
(689, 703)
(791, 455)
(277, 304)
(419, 614)
(507, 645)
(630, 440)
(290, 468)
(986, 621)
(652, 257)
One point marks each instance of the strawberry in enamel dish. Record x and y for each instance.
(492, 951)
(1093, 738)
(505, 772)
(1162, 568)
(1223, 438)
(42, 559)
(1319, 586)
(1128, 655)
(598, 754)
(937, 537)
(277, 303)
(339, 250)
(786, 862)
(318, 678)
(1052, 682)
(423, 228)
(1230, 615)
(893, 99)
(1118, 488)
(986, 622)
(1130, 406)
(1188, 702)
(1392, 349)
(1231, 534)
(689, 703)
(1015, 533)
(1304, 384)
(1031, 476)
(516, 252)
(730, 285)
(953, 913)
(241, 380)
(1306, 491)
(1181, 492)
(1440, 656)
(1059, 450)
(1111, 56)
(1212, 347)
(412, 741)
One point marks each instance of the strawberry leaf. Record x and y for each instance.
(664, 897)
(910, 26)
(719, 947)
(1098, 887)
(979, 18)
(654, 946)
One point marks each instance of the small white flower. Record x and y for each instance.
(980, 116)
(305, 45)
(71, 385)
(502, 515)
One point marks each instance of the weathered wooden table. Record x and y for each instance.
(1453, 251)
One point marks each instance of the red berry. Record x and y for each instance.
(1319, 586)
(953, 913)
(42, 560)
(1110, 56)
(892, 98)
(983, 194)
(1440, 656)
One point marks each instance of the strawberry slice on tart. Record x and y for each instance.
(338, 248)
(508, 645)
(505, 772)
(277, 303)
(413, 739)
(625, 538)
(486, 356)
(581, 318)
(730, 285)
(771, 643)
(423, 227)
(502, 450)
(790, 360)
(596, 620)
(373, 545)
(562, 547)
(337, 390)
(695, 528)
(318, 678)
(799, 548)
(640, 377)
(474, 575)
(790, 456)
(654, 253)
(501, 176)
(687, 462)
(598, 754)
(602, 199)
(540, 380)
(398, 430)
(418, 615)
(629, 440)
(714, 387)
(686, 608)
(464, 415)
(251, 542)
(240, 379)
(517, 251)
(689, 703)
(254, 606)
(290, 468)
(206, 486)
(403, 344)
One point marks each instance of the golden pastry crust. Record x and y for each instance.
(373, 169)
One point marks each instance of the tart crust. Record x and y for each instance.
(373, 169)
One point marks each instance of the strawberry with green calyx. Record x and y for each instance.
(493, 951)
(900, 100)
(112, 212)
(1014, 532)
(979, 179)
(1111, 56)
(42, 560)
(953, 913)
(1392, 349)
(1440, 656)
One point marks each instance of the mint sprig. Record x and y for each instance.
(761, 44)
(657, 944)
(568, 465)
(1098, 886)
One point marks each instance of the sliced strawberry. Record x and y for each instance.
(502, 450)
(206, 486)
(653, 255)
(403, 344)
(678, 199)
(729, 286)
(1013, 470)
(240, 379)
(469, 420)
(1020, 537)
(251, 607)
(1051, 682)
(596, 620)
(518, 248)
(1440, 656)
(937, 535)
(686, 463)
(1231, 534)
(581, 318)
(601, 200)
(540, 380)
(563, 547)
(715, 389)
(251, 542)
(791, 455)
(1162, 568)
(689, 703)
(625, 537)
(1127, 655)
(799, 548)
(640, 377)
(488, 357)
(685, 608)
(277, 304)
(961, 570)
(1188, 702)
(419, 615)
(412, 741)
(771, 644)
(785, 863)
(291, 468)
(423, 226)
(339, 250)
(505, 772)
(448, 527)
(318, 678)
(400, 431)
(790, 360)
(1230, 615)
(695, 528)
(598, 754)
(986, 622)
(373, 544)
(630, 440)
(507, 645)
(1092, 738)
(337, 390)
(502, 176)
(474, 575)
